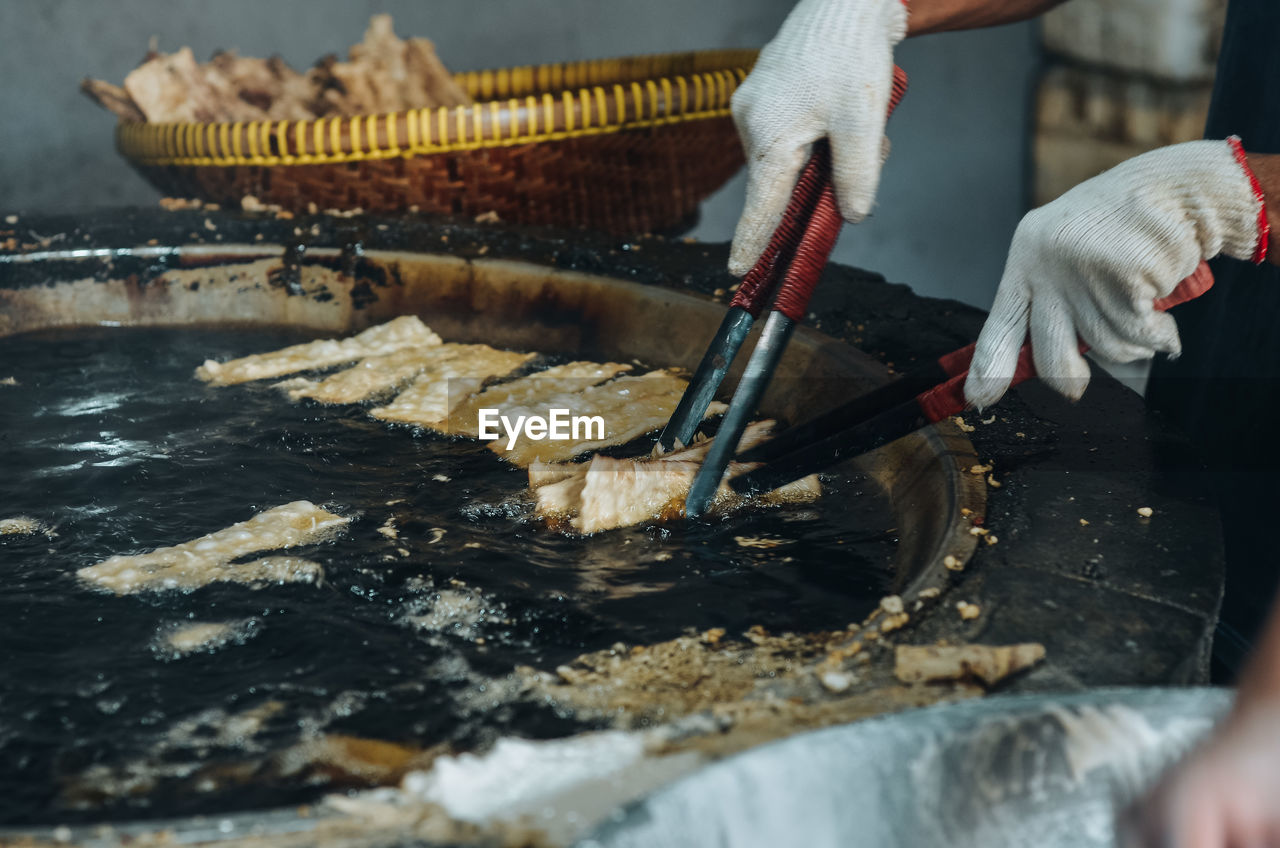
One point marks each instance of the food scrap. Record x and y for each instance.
(988, 664)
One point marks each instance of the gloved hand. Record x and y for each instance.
(1225, 794)
(828, 72)
(1090, 263)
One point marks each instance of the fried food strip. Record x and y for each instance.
(556, 387)
(457, 372)
(630, 407)
(405, 331)
(208, 559)
(608, 493)
(370, 376)
(21, 525)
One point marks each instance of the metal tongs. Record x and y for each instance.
(791, 265)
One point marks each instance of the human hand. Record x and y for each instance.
(828, 72)
(1088, 266)
(1225, 795)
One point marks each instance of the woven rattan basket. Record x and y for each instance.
(623, 145)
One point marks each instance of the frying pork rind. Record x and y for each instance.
(630, 407)
(21, 525)
(608, 493)
(208, 559)
(457, 372)
(370, 376)
(404, 332)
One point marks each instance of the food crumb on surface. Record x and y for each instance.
(11, 219)
(952, 563)
(962, 424)
(932, 591)
(837, 681)
(968, 611)
(1146, 511)
(993, 482)
(990, 420)
(978, 531)
(992, 539)
(173, 204)
(9, 381)
(1084, 522)
(980, 469)
(891, 604)
(893, 622)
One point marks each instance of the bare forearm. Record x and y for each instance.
(943, 15)
(1260, 682)
(1267, 169)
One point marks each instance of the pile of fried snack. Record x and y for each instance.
(383, 73)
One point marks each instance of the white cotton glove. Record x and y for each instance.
(1090, 263)
(828, 72)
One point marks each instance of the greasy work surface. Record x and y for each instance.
(420, 593)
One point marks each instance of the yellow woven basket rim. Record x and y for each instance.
(513, 106)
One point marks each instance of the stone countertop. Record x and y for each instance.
(1122, 599)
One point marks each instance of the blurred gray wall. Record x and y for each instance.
(952, 192)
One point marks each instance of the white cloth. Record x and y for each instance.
(1090, 263)
(828, 72)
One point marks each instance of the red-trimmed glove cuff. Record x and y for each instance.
(1264, 223)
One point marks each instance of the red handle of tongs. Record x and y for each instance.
(805, 236)
(947, 398)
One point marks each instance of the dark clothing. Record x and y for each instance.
(1225, 389)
